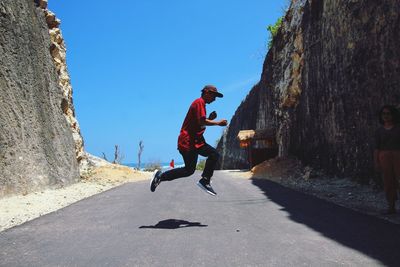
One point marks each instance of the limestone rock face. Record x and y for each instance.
(58, 52)
(332, 65)
(36, 143)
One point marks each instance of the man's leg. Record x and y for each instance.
(396, 166)
(212, 159)
(389, 179)
(190, 159)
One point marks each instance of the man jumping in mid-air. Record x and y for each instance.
(191, 143)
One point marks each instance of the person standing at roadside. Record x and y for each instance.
(191, 143)
(387, 154)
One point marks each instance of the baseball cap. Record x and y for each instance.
(213, 89)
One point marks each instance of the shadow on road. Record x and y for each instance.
(173, 224)
(369, 235)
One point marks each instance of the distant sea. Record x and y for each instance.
(164, 165)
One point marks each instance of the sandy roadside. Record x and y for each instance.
(15, 210)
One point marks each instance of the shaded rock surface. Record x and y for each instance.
(36, 145)
(332, 65)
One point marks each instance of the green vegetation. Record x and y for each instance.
(273, 30)
(152, 166)
(201, 164)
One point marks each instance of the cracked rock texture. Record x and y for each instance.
(58, 52)
(37, 148)
(332, 65)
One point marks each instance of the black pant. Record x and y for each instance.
(190, 158)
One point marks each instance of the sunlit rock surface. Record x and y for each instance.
(37, 148)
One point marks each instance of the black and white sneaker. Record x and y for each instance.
(206, 186)
(155, 181)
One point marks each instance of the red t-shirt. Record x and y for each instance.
(191, 136)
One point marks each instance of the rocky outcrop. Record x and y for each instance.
(247, 116)
(37, 148)
(58, 53)
(332, 65)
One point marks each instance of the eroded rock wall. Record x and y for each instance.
(37, 148)
(58, 52)
(332, 65)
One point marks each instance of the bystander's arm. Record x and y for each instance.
(376, 160)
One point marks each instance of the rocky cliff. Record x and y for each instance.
(332, 65)
(39, 142)
(58, 53)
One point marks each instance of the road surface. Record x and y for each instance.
(249, 223)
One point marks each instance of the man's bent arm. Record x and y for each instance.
(208, 122)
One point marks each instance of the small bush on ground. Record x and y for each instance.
(150, 167)
(201, 164)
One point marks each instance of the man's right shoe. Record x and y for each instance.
(206, 186)
(155, 181)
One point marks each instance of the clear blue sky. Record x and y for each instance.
(136, 66)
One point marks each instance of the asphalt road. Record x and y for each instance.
(249, 223)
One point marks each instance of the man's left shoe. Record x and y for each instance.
(206, 186)
(155, 181)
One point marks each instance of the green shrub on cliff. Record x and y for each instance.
(273, 30)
